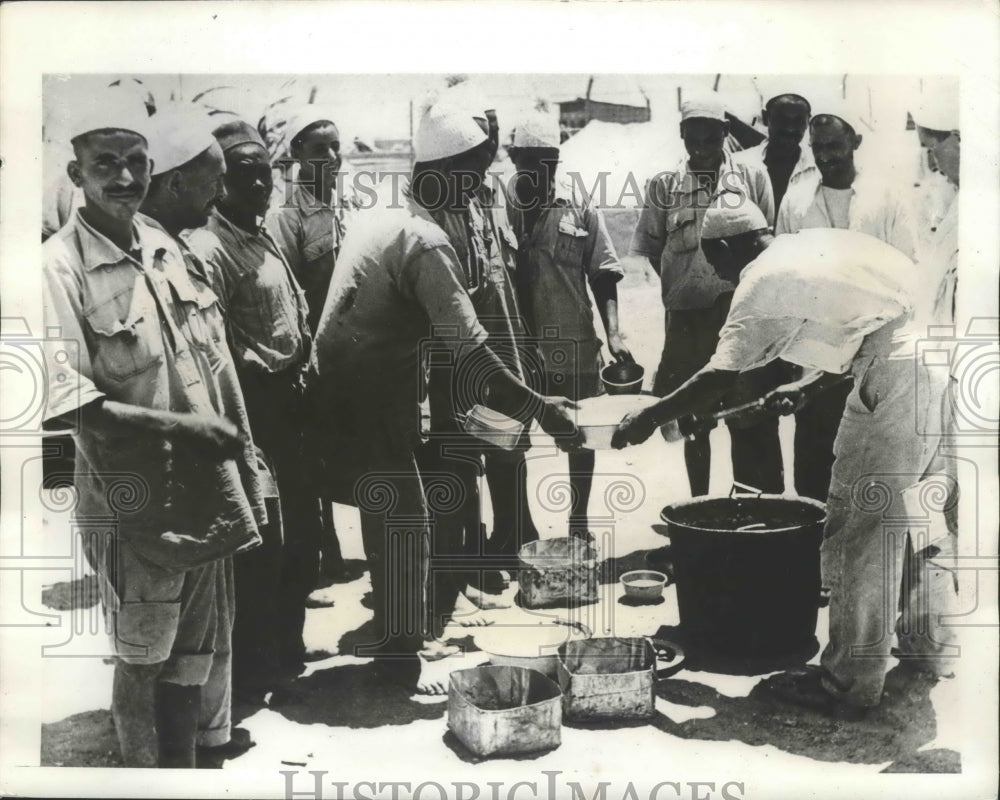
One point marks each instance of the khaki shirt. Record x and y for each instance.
(309, 234)
(264, 308)
(567, 249)
(143, 331)
(397, 285)
(669, 228)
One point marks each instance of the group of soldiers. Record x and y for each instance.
(249, 362)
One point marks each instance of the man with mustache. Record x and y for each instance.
(152, 406)
(838, 196)
(265, 312)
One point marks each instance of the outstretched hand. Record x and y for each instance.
(636, 428)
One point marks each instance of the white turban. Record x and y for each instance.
(446, 131)
(537, 130)
(177, 134)
(938, 111)
(112, 110)
(731, 214)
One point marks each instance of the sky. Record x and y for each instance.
(378, 105)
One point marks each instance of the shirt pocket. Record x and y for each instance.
(128, 337)
(318, 247)
(682, 230)
(570, 243)
(199, 317)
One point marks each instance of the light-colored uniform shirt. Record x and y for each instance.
(874, 208)
(397, 284)
(264, 307)
(669, 228)
(939, 273)
(146, 333)
(309, 234)
(811, 298)
(804, 168)
(568, 248)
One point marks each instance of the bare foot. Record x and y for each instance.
(433, 650)
(483, 600)
(434, 671)
(468, 614)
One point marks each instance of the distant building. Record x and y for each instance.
(575, 114)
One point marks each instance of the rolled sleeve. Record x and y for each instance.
(601, 258)
(70, 375)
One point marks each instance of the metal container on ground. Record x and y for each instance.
(498, 711)
(614, 678)
(557, 572)
(532, 645)
(746, 569)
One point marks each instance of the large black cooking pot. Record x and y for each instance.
(747, 570)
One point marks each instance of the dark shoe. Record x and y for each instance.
(212, 757)
(804, 688)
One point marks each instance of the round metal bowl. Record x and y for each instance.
(644, 584)
(623, 377)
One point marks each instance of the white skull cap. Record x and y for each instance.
(842, 111)
(177, 134)
(300, 117)
(731, 214)
(445, 131)
(112, 109)
(938, 111)
(537, 130)
(703, 105)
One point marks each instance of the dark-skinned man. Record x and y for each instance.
(309, 228)
(563, 248)
(187, 180)
(483, 243)
(838, 196)
(265, 312)
(398, 283)
(834, 301)
(154, 406)
(787, 162)
(695, 298)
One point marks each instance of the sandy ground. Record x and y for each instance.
(709, 717)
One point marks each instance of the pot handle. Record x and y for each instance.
(746, 490)
(666, 653)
